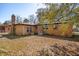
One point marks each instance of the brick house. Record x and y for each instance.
(60, 29)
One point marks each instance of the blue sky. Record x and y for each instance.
(19, 9)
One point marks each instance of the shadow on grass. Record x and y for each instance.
(73, 38)
(14, 36)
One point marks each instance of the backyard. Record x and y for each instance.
(38, 46)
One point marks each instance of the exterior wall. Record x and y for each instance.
(34, 29)
(23, 29)
(8, 29)
(40, 30)
(2, 29)
(19, 30)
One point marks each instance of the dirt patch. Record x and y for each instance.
(60, 50)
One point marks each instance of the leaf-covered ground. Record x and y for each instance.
(38, 46)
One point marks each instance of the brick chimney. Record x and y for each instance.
(13, 19)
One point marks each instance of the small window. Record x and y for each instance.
(46, 26)
(29, 29)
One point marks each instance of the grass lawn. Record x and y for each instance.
(37, 45)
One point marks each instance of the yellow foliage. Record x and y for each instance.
(64, 29)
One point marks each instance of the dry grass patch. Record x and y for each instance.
(33, 45)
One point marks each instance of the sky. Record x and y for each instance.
(19, 9)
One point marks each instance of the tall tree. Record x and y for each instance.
(19, 19)
(56, 12)
(25, 21)
(7, 22)
(76, 16)
(32, 19)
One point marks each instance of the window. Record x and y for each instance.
(46, 26)
(29, 29)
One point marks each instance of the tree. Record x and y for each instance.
(25, 21)
(41, 14)
(19, 19)
(7, 22)
(76, 16)
(56, 12)
(32, 19)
